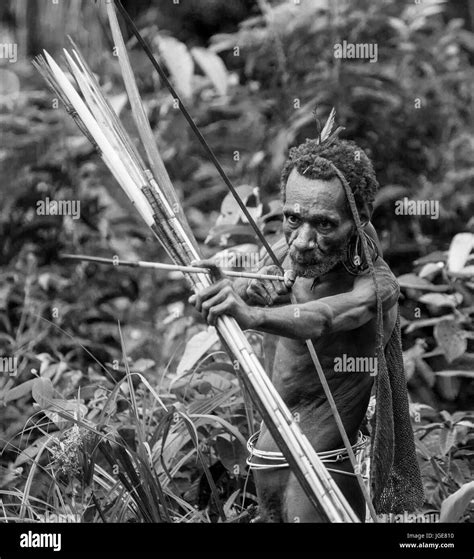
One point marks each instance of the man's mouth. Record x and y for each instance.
(305, 260)
(313, 265)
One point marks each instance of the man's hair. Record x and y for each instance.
(311, 161)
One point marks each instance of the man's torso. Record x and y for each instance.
(347, 359)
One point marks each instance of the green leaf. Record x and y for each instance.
(9, 475)
(232, 454)
(451, 339)
(423, 449)
(216, 381)
(63, 412)
(5, 290)
(213, 419)
(231, 214)
(459, 250)
(448, 387)
(431, 270)
(435, 257)
(42, 392)
(32, 450)
(456, 504)
(9, 83)
(142, 365)
(228, 235)
(412, 281)
(213, 66)
(440, 300)
(460, 472)
(195, 349)
(230, 502)
(447, 439)
(416, 324)
(19, 391)
(179, 63)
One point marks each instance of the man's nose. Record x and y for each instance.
(305, 239)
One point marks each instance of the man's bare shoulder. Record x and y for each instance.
(387, 284)
(384, 273)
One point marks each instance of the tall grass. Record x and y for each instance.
(89, 471)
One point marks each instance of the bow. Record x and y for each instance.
(324, 135)
(148, 192)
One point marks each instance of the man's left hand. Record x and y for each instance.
(220, 298)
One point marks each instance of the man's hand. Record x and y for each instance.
(220, 298)
(268, 292)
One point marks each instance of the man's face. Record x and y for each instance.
(317, 225)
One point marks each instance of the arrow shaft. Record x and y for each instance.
(169, 267)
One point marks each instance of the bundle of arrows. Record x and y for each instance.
(150, 190)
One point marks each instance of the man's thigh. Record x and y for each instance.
(271, 486)
(296, 507)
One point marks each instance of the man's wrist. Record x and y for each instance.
(258, 316)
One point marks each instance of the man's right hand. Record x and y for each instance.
(265, 292)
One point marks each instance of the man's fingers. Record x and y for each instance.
(271, 270)
(196, 301)
(209, 304)
(280, 287)
(205, 297)
(218, 310)
(211, 290)
(271, 292)
(263, 292)
(258, 292)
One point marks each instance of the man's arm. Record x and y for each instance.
(337, 313)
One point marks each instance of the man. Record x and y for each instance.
(336, 309)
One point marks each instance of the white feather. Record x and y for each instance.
(326, 131)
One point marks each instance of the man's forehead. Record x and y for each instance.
(314, 194)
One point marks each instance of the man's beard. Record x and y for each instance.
(313, 266)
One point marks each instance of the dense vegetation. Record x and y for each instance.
(123, 405)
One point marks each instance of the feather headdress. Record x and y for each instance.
(325, 135)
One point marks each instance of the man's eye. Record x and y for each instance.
(325, 225)
(292, 220)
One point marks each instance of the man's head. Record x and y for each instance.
(318, 222)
